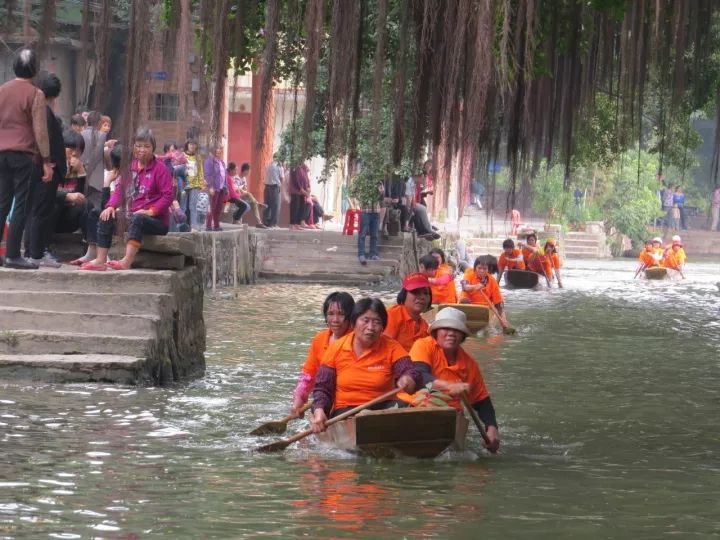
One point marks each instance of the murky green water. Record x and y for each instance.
(608, 400)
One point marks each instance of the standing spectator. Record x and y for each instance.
(41, 223)
(195, 184)
(93, 157)
(578, 196)
(273, 184)
(679, 202)
(299, 188)
(369, 223)
(477, 191)
(23, 145)
(715, 208)
(667, 203)
(215, 184)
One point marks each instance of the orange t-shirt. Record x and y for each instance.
(403, 328)
(318, 346)
(674, 259)
(505, 262)
(527, 254)
(444, 294)
(550, 263)
(647, 259)
(358, 380)
(465, 369)
(491, 289)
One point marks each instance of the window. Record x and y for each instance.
(164, 107)
(6, 69)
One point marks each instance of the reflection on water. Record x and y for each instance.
(607, 400)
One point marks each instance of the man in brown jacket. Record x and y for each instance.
(24, 148)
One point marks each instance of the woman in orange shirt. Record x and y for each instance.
(550, 261)
(361, 366)
(530, 249)
(404, 321)
(444, 363)
(441, 278)
(480, 287)
(647, 258)
(336, 310)
(511, 258)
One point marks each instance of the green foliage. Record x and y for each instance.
(549, 196)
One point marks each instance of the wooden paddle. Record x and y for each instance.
(642, 267)
(283, 444)
(475, 418)
(509, 330)
(278, 427)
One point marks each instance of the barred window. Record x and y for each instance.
(164, 107)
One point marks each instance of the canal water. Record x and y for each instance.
(608, 401)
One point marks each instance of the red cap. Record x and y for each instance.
(416, 280)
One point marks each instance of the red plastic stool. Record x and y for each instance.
(352, 222)
(2, 243)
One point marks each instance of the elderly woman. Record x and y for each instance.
(361, 366)
(145, 194)
(336, 310)
(405, 324)
(480, 287)
(444, 363)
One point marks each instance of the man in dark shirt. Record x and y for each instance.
(40, 225)
(23, 147)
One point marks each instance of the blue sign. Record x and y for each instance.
(156, 75)
(494, 167)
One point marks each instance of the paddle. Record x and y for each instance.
(278, 426)
(509, 330)
(642, 267)
(283, 444)
(475, 418)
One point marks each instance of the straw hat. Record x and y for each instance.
(451, 317)
(551, 241)
(676, 239)
(657, 239)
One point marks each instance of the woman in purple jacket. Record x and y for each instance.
(145, 195)
(215, 177)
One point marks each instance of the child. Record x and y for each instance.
(195, 183)
(233, 195)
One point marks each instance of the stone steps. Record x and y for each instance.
(70, 279)
(18, 318)
(53, 342)
(67, 368)
(341, 267)
(89, 302)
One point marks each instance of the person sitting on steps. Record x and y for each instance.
(146, 194)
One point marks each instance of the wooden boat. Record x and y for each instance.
(521, 279)
(656, 272)
(478, 317)
(422, 432)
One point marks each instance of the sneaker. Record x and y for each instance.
(50, 255)
(362, 260)
(20, 263)
(47, 261)
(374, 258)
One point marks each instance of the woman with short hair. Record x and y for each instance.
(361, 366)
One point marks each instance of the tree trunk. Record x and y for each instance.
(261, 156)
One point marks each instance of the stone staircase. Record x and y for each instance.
(582, 245)
(133, 327)
(325, 256)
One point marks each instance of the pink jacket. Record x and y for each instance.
(150, 188)
(232, 192)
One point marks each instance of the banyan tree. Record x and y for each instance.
(469, 82)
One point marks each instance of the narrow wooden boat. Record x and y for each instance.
(478, 317)
(656, 272)
(422, 432)
(521, 279)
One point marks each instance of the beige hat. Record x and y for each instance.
(451, 317)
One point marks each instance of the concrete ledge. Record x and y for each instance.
(77, 368)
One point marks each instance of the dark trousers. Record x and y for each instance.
(17, 170)
(368, 226)
(216, 205)
(39, 227)
(272, 208)
(298, 209)
(241, 208)
(68, 218)
(317, 213)
(140, 224)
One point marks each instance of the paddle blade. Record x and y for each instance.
(270, 428)
(277, 446)
(509, 331)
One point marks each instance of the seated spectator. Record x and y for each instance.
(146, 194)
(316, 213)
(241, 187)
(234, 195)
